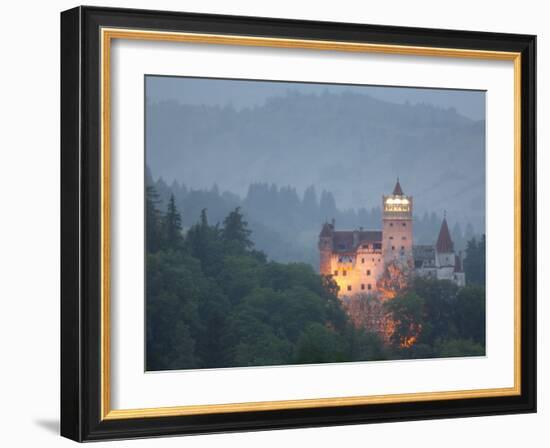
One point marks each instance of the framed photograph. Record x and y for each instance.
(274, 223)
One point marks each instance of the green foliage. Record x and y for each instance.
(470, 314)
(153, 218)
(213, 300)
(204, 243)
(235, 232)
(366, 346)
(460, 347)
(277, 317)
(440, 308)
(408, 313)
(239, 275)
(172, 310)
(172, 226)
(474, 262)
(265, 349)
(318, 344)
(212, 310)
(447, 320)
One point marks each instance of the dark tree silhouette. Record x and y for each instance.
(235, 231)
(172, 225)
(153, 220)
(474, 262)
(214, 300)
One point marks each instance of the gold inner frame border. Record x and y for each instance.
(107, 36)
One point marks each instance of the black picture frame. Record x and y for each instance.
(81, 224)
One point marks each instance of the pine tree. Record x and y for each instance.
(236, 232)
(327, 205)
(310, 205)
(204, 244)
(204, 220)
(163, 190)
(172, 225)
(474, 262)
(457, 236)
(197, 237)
(469, 232)
(153, 218)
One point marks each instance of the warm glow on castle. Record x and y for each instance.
(360, 261)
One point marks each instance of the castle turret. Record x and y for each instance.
(397, 219)
(444, 248)
(325, 248)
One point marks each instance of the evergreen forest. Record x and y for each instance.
(215, 299)
(286, 224)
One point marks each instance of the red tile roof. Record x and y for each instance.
(444, 242)
(344, 240)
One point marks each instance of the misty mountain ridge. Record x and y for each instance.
(349, 144)
(286, 225)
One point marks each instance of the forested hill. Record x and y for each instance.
(286, 225)
(349, 144)
(213, 300)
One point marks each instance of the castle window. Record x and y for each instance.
(362, 260)
(349, 287)
(403, 237)
(336, 273)
(393, 248)
(362, 286)
(404, 224)
(344, 273)
(391, 237)
(368, 271)
(369, 287)
(402, 247)
(391, 224)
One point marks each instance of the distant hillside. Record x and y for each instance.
(352, 145)
(286, 225)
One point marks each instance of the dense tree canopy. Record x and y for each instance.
(474, 263)
(213, 300)
(438, 316)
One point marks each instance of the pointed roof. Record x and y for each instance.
(397, 190)
(444, 242)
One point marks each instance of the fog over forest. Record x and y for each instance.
(303, 155)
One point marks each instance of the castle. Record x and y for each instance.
(357, 259)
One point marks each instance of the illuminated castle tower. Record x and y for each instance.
(397, 218)
(355, 259)
(325, 248)
(368, 262)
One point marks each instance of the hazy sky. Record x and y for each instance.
(353, 141)
(469, 103)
